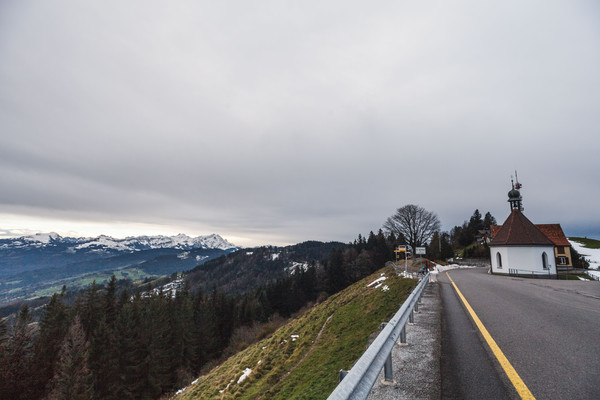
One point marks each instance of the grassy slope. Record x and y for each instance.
(589, 243)
(286, 369)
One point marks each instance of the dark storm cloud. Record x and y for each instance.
(283, 121)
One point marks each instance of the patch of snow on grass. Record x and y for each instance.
(593, 273)
(591, 255)
(383, 278)
(183, 389)
(293, 265)
(226, 387)
(385, 288)
(246, 374)
(294, 337)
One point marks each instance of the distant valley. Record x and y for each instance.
(39, 265)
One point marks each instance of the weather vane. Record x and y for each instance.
(518, 186)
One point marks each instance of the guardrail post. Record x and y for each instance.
(403, 336)
(388, 374)
(417, 306)
(411, 317)
(342, 375)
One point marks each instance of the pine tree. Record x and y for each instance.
(110, 301)
(203, 329)
(489, 220)
(435, 246)
(3, 332)
(184, 330)
(134, 359)
(447, 250)
(475, 223)
(19, 382)
(3, 359)
(336, 275)
(53, 328)
(73, 379)
(103, 358)
(90, 310)
(163, 366)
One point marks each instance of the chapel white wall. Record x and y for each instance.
(523, 258)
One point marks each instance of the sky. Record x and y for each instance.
(275, 122)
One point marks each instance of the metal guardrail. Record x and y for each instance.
(358, 382)
(531, 274)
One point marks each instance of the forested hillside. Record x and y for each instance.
(246, 269)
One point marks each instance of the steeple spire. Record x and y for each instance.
(514, 196)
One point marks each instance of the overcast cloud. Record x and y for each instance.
(275, 122)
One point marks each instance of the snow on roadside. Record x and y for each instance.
(591, 255)
(443, 268)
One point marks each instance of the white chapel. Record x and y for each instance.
(519, 247)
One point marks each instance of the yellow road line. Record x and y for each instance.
(506, 365)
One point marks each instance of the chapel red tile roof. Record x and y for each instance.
(518, 230)
(555, 233)
(494, 229)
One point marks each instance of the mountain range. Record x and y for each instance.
(38, 265)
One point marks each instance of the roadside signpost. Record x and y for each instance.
(420, 251)
(398, 251)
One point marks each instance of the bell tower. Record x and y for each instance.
(514, 196)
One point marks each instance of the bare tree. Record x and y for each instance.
(415, 223)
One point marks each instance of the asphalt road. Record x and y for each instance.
(548, 330)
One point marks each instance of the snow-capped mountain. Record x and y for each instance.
(44, 250)
(132, 243)
(32, 264)
(181, 242)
